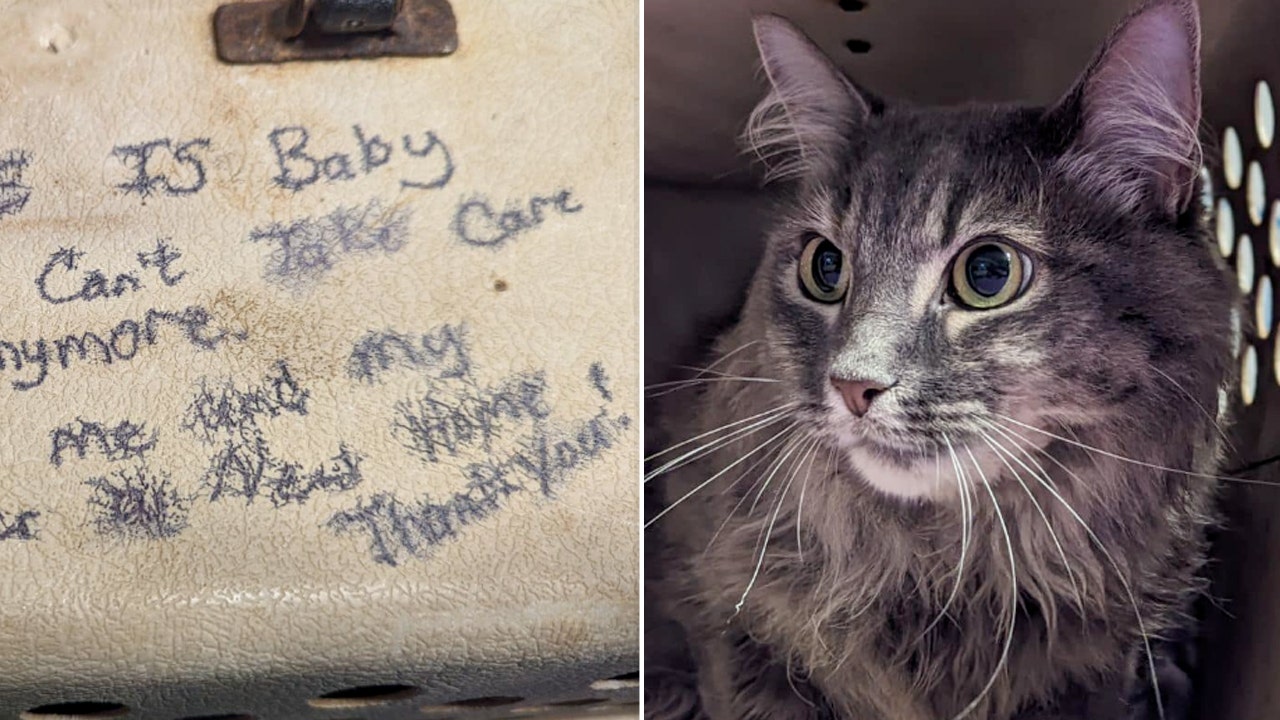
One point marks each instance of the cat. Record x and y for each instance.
(957, 455)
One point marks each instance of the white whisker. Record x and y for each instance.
(713, 431)
(1203, 410)
(764, 550)
(776, 467)
(799, 461)
(711, 479)
(807, 459)
(738, 505)
(708, 448)
(1013, 581)
(678, 385)
(731, 353)
(1133, 601)
(714, 373)
(831, 456)
(1000, 451)
(965, 517)
(1131, 461)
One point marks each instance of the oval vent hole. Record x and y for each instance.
(858, 47)
(625, 681)
(89, 709)
(486, 702)
(852, 5)
(364, 696)
(577, 703)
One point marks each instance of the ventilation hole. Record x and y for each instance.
(89, 709)
(1232, 159)
(1274, 234)
(228, 716)
(633, 675)
(1264, 308)
(1237, 332)
(363, 696)
(1264, 114)
(577, 703)
(852, 5)
(612, 685)
(1226, 228)
(1256, 194)
(558, 711)
(1249, 376)
(858, 47)
(1244, 264)
(1206, 190)
(486, 702)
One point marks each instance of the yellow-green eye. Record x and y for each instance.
(824, 274)
(988, 274)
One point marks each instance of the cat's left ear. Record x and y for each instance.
(812, 110)
(1135, 113)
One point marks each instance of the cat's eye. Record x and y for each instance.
(989, 273)
(823, 272)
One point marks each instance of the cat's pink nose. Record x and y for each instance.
(858, 394)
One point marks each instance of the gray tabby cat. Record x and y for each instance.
(957, 456)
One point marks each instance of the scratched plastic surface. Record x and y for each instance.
(319, 376)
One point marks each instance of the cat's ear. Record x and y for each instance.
(1135, 112)
(811, 109)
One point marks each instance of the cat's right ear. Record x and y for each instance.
(811, 109)
(1135, 113)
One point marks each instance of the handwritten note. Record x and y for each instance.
(398, 530)
(477, 223)
(488, 439)
(329, 339)
(14, 190)
(185, 172)
(137, 503)
(243, 465)
(306, 249)
(442, 351)
(124, 440)
(62, 280)
(509, 426)
(300, 168)
(452, 420)
(18, 525)
(33, 360)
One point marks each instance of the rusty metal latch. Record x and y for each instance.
(275, 31)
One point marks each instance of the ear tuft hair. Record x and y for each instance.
(811, 107)
(1138, 110)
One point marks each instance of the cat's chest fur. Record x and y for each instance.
(858, 593)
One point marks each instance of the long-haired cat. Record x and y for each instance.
(957, 456)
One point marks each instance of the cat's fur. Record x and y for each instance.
(852, 552)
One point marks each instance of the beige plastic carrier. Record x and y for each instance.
(318, 380)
